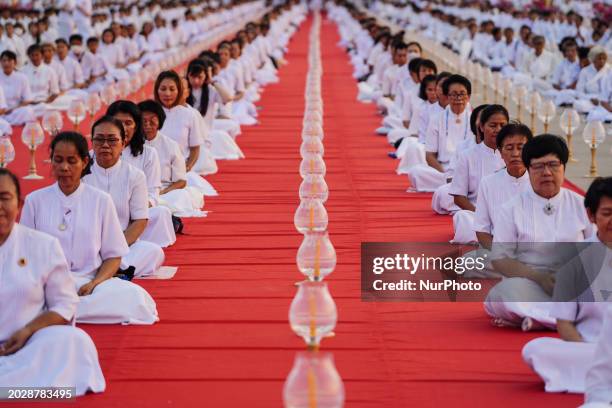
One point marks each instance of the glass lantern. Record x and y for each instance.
(569, 122)
(310, 216)
(313, 382)
(316, 257)
(32, 136)
(313, 314)
(594, 134)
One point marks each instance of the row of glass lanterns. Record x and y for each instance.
(33, 133)
(530, 106)
(313, 380)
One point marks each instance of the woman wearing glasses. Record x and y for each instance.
(159, 228)
(127, 186)
(548, 213)
(84, 220)
(38, 346)
(444, 137)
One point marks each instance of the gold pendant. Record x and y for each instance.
(22, 262)
(62, 227)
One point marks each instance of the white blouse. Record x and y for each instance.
(43, 81)
(446, 131)
(530, 218)
(16, 88)
(171, 160)
(34, 277)
(181, 126)
(127, 186)
(471, 166)
(494, 191)
(85, 223)
(148, 162)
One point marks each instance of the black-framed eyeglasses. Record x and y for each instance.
(100, 141)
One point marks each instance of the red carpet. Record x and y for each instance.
(224, 338)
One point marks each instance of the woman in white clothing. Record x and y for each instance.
(180, 125)
(84, 220)
(205, 95)
(38, 348)
(546, 214)
(591, 80)
(580, 303)
(127, 186)
(471, 166)
(160, 229)
(176, 193)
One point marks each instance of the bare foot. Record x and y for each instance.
(499, 322)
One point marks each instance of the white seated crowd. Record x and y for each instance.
(502, 185)
(115, 204)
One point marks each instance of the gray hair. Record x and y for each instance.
(596, 51)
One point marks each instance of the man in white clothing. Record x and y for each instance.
(17, 92)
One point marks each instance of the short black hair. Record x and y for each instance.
(6, 172)
(457, 79)
(513, 129)
(492, 110)
(413, 65)
(8, 54)
(61, 41)
(542, 145)
(75, 37)
(34, 48)
(474, 117)
(600, 187)
(92, 40)
(400, 45)
(427, 63)
(423, 87)
(415, 43)
(154, 107)
(443, 75)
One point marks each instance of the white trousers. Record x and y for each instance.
(501, 302)
(441, 201)
(146, 258)
(199, 183)
(183, 202)
(562, 365)
(116, 301)
(224, 147)
(412, 154)
(229, 126)
(160, 229)
(20, 116)
(56, 356)
(463, 225)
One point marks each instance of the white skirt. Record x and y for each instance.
(160, 229)
(227, 125)
(146, 258)
(463, 224)
(201, 184)
(224, 147)
(206, 163)
(184, 202)
(56, 356)
(562, 365)
(412, 154)
(116, 301)
(441, 201)
(501, 302)
(20, 116)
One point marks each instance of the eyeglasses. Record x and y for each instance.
(100, 141)
(455, 95)
(554, 166)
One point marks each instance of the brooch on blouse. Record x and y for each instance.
(22, 262)
(549, 209)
